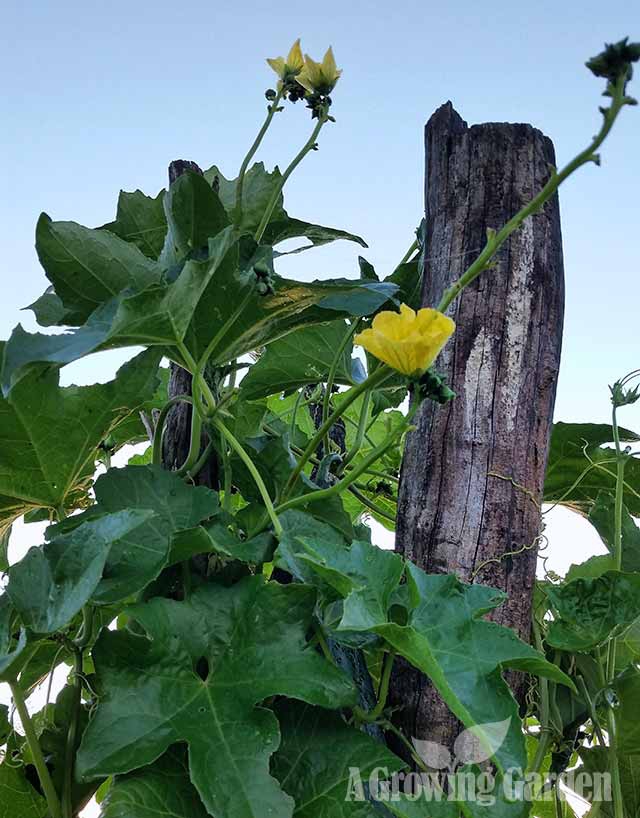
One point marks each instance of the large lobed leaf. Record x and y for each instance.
(591, 611)
(206, 663)
(578, 468)
(50, 585)
(49, 434)
(138, 555)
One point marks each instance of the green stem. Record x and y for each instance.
(198, 378)
(620, 464)
(409, 253)
(53, 802)
(497, 239)
(592, 710)
(271, 110)
(618, 797)
(201, 461)
(220, 334)
(371, 505)
(159, 430)
(294, 415)
(350, 477)
(226, 468)
(255, 474)
(308, 146)
(362, 428)
(375, 379)
(383, 692)
(331, 377)
(196, 432)
(323, 644)
(72, 737)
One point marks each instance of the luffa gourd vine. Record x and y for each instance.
(201, 625)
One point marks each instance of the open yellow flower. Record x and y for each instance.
(406, 340)
(320, 78)
(291, 66)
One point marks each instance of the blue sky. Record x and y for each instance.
(102, 96)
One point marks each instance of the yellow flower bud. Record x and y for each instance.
(291, 66)
(407, 341)
(318, 77)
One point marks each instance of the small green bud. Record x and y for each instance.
(615, 61)
(622, 397)
(270, 94)
(432, 386)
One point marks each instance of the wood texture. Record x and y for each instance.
(473, 470)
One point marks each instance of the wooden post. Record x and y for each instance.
(472, 476)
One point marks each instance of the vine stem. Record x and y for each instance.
(618, 800)
(375, 379)
(53, 802)
(271, 110)
(361, 431)
(308, 146)
(242, 454)
(496, 239)
(377, 711)
(351, 477)
(409, 253)
(331, 377)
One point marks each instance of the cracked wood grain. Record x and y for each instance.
(473, 470)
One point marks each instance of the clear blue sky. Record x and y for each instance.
(99, 96)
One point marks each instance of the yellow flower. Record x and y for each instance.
(407, 341)
(291, 66)
(318, 77)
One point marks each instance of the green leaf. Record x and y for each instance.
(596, 760)
(317, 757)
(138, 556)
(592, 611)
(88, 267)
(48, 309)
(408, 277)
(13, 654)
(141, 220)
(53, 742)
(206, 664)
(194, 212)
(18, 799)
(215, 538)
(285, 228)
(162, 788)
(627, 688)
(158, 315)
(461, 653)
(364, 575)
(571, 476)
(602, 517)
(51, 584)
(258, 187)
(302, 357)
(49, 435)
(209, 300)
(297, 525)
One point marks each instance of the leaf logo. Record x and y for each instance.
(473, 746)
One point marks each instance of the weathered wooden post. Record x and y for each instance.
(472, 476)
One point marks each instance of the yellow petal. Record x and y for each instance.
(329, 67)
(407, 341)
(295, 60)
(277, 63)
